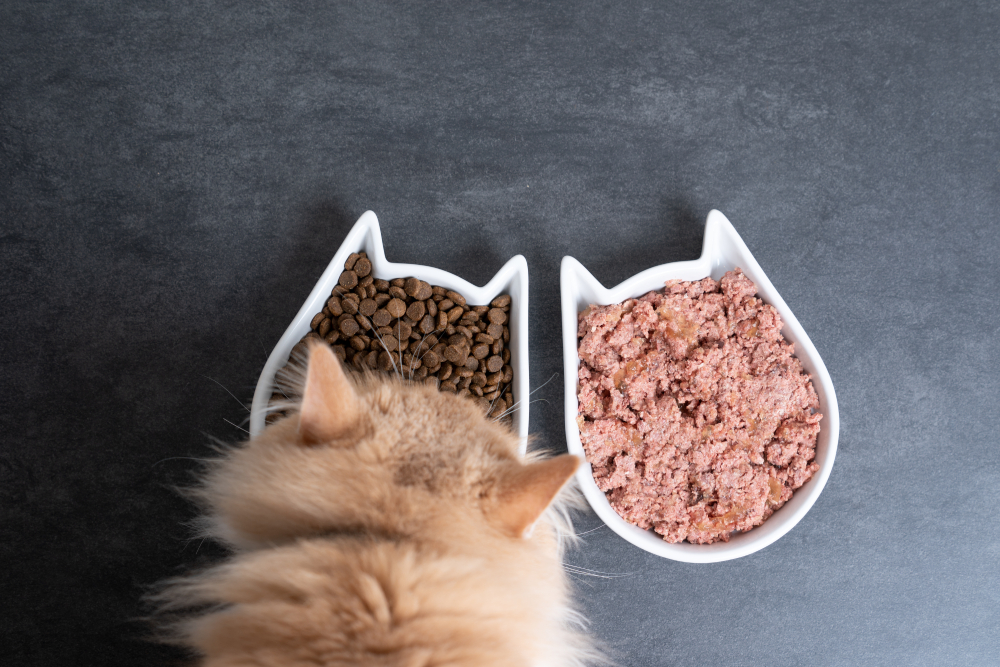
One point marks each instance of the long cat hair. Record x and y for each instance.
(381, 523)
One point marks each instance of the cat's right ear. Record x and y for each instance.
(330, 407)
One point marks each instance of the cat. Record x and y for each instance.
(382, 523)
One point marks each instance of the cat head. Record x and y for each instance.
(377, 455)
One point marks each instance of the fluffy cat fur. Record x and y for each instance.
(382, 523)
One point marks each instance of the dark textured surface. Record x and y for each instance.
(174, 176)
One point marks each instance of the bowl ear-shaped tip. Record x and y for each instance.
(330, 408)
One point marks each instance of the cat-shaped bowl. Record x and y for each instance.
(722, 251)
(366, 236)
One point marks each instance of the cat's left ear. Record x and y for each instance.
(330, 407)
(527, 490)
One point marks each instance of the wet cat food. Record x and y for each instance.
(695, 417)
(421, 332)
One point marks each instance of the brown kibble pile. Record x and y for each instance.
(422, 332)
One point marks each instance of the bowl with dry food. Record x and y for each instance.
(420, 322)
(707, 418)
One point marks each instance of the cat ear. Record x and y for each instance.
(527, 490)
(329, 403)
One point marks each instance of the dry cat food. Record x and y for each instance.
(420, 331)
(695, 417)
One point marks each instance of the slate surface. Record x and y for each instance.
(175, 175)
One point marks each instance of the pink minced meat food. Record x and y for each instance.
(694, 415)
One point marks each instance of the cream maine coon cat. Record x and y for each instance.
(383, 523)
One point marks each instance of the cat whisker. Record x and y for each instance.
(227, 391)
(392, 359)
(553, 376)
(579, 580)
(588, 532)
(181, 458)
(515, 407)
(595, 573)
(234, 425)
(416, 356)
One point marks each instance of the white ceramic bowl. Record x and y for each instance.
(511, 279)
(722, 251)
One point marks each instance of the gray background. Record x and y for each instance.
(175, 175)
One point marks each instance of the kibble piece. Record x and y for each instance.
(411, 287)
(456, 297)
(506, 356)
(484, 338)
(348, 279)
(446, 370)
(396, 308)
(476, 389)
(415, 311)
(442, 319)
(390, 342)
(381, 285)
(384, 361)
(333, 303)
(350, 304)
(497, 346)
(508, 374)
(494, 364)
(397, 282)
(501, 301)
(317, 318)
(348, 325)
(332, 337)
(366, 280)
(454, 314)
(357, 343)
(363, 322)
(351, 261)
(496, 316)
(367, 307)
(472, 363)
(424, 292)
(495, 331)
(403, 329)
(480, 351)
(479, 378)
(381, 299)
(363, 267)
(464, 331)
(456, 355)
(506, 335)
(427, 324)
(398, 293)
(432, 307)
(381, 317)
(430, 359)
(324, 326)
